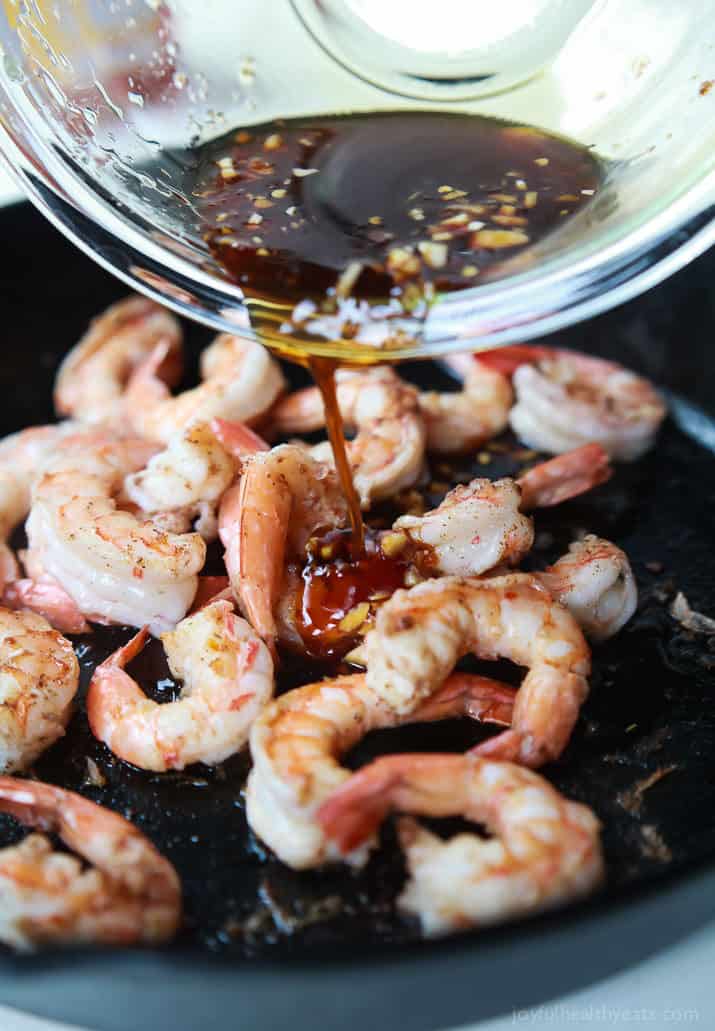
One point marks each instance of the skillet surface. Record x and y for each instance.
(648, 714)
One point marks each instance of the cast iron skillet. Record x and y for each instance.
(267, 948)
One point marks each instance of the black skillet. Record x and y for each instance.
(267, 948)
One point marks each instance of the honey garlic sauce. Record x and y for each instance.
(339, 594)
(376, 206)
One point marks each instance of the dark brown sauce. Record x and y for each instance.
(409, 203)
(323, 370)
(309, 216)
(339, 592)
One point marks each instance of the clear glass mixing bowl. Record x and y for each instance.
(102, 103)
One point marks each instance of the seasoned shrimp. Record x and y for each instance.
(39, 675)
(92, 379)
(127, 894)
(477, 526)
(458, 422)
(544, 851)
(283, 499)
(420, 634)
(240, 382)
(115, 567)
(481, 525)
(388, 451)
(297, 741)
(595, 582)
(194, 467)
(566, 399)
(21, 458)
(228, 678)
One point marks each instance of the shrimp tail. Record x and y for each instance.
(464, 694)
(506, 746)
(147, 375)
(355, 811)
(237, 438)
(566, 476)
(49, 600)
(124, 655)
(508, 359)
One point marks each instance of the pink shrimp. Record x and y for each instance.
(421, 633)
(297, 741)
(228, 678)
(564, 398)
(545, 850)
(128, 894)
(92, 378)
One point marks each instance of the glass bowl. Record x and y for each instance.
(102, 105)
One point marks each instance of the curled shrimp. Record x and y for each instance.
(227, 674)
(21, 457)
(240, 382)
(298, 739)
(283, 499)
(458, 422)
(476, 527)
(595, 582)
(92, 379)
(187, 478)
(183, 484)
(421, 633)
(39, 674)
(387, 453)
(481, 525)
(115, 567)
(545, 850)
(564, 399)
(128, 893)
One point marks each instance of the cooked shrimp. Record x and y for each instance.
(127, 894)
(39, 675)
(387, 453)
(283, 499)
(544, 851)
(458, 422)
(298, 739)
(566, 399)
(194, 468)
(476, 527)
(481, 525)
(21, 458)
(240, 382)
(420, 634)
(115, 567)
(228, 678)
(595, 582)
(92, 379)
